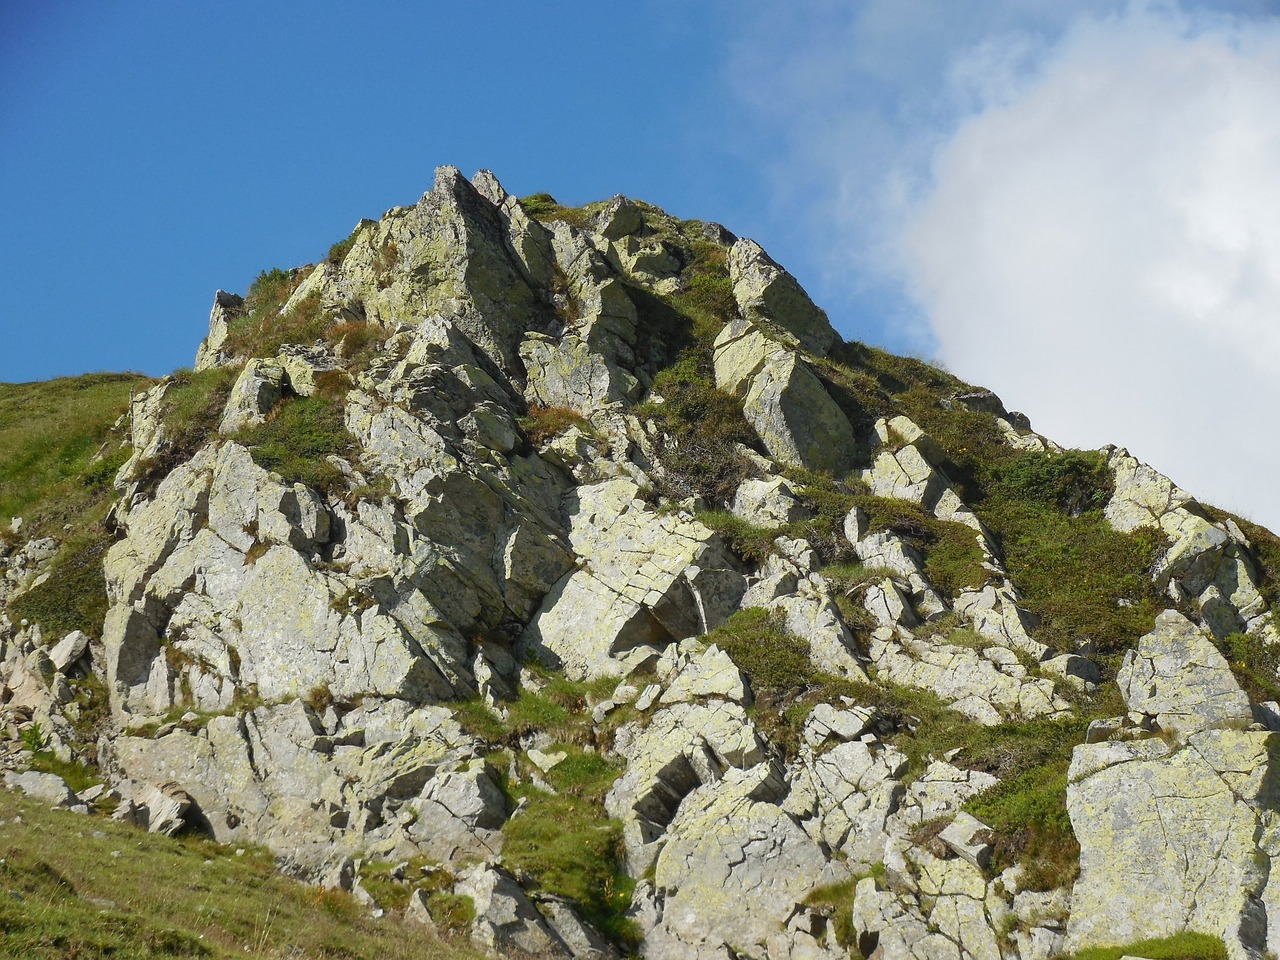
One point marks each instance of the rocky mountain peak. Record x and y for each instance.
(570, 552)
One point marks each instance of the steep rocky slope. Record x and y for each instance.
(564, 570)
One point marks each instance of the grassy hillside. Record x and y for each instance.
(76, 887)
(50, 431)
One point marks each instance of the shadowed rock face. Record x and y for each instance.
(413, 586)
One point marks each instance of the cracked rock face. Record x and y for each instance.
(1177, 833)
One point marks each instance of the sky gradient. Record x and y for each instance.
(1077, 205)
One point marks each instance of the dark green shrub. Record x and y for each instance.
(702, 427)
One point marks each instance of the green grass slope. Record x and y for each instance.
(76, 887)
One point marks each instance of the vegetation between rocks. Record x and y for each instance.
(297, 439)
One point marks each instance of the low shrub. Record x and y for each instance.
(750, 542)
(701, 428)
(545, 207)
(1256, 665)
(1028, 815)
(339, 250)
(1084, 580)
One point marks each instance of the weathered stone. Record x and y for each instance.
(692, 673)
(48, 787)
(620, 218)
(1177, 677)
(683, 747)
(69, 650)
(459, 814)
(256, 392)
(225, 307)
(768, 503)
(505, 917)
(736, 866)
(970, 838)
(826, 722)
(987, 685)
(1172, 840)
(906, 468)
(766, 292)
(888, 551)
(645, 580)
(795, 417)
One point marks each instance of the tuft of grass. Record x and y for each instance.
(357, 341)
(573, 849)
(546, 423)
(76, 775)
(839, 899)
(262, 329)
(952, 556)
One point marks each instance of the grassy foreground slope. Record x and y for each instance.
(77, 887)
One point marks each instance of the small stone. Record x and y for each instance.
(545, 761)
(648, 696)
(969, 838)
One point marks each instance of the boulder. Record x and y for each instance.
(226, 306)
(256, 392)
(506, 919)
(969, 838)
(48, 787)
(768, 503)
(69, 650)
(1173, 840)
(796, 419)
(735, 869)
(766, 292)
(1177, 677)
(645, 579)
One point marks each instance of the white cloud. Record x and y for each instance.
(1077, 205)
(1102, 246)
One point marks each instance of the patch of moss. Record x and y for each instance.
(1180, 946)
(298, 437)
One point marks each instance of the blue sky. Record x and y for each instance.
(1077, 205)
